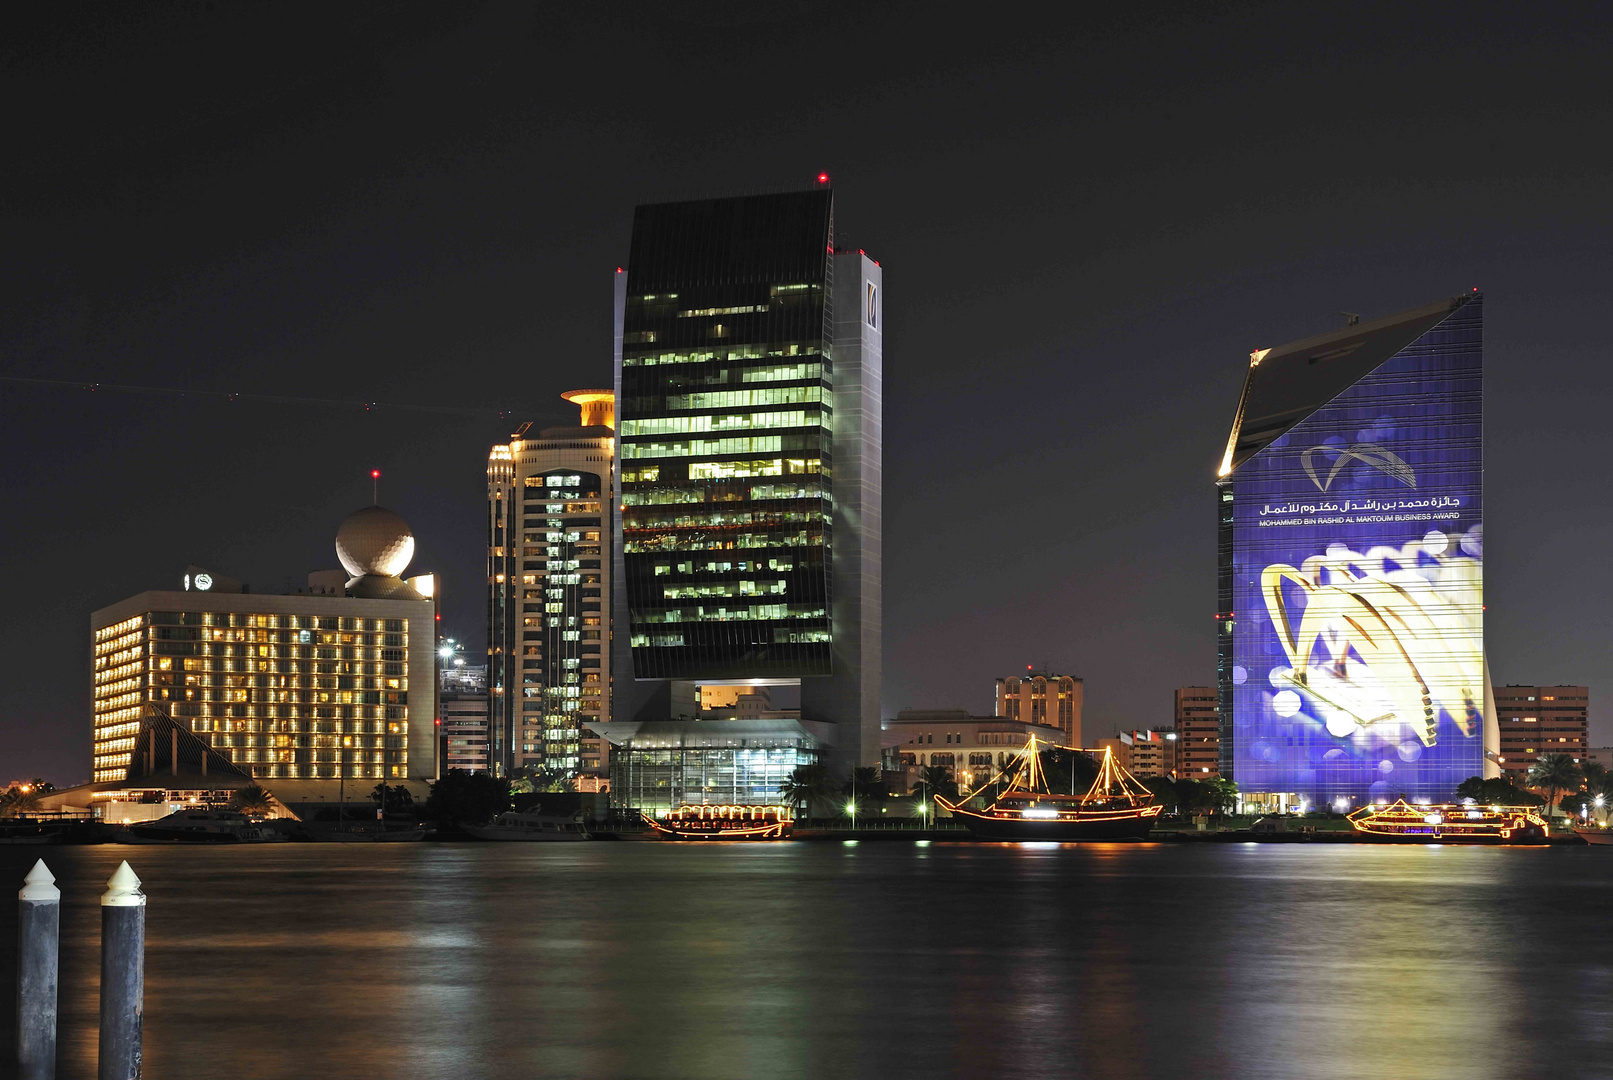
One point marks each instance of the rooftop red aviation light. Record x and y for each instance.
(823, 178)
(375, 474)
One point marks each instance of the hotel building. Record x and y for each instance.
(335, 682)
(748, 388)
(1351, 556)
(549, 586)
(1040, 697)
(1536, 720)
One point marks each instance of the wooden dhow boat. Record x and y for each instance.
(1116, 807)
(702, 822)
(1450, 823)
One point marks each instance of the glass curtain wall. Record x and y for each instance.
(725, 422)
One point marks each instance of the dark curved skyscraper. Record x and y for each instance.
(749, 425)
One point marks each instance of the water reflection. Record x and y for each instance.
(878, 960)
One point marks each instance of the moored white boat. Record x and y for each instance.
(533, 826)
(200, 825)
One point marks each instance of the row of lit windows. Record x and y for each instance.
(275, 622)
(589, 506)
(724, 613)
(116, 629)
(123, 685)
(753, 444)
(743, 399)
(726, 588)
(781, 636)
(671, 496)
(127, 644)
(725, 470)
(743, 541)
(723, 567)
(736, 352)
(686, 425)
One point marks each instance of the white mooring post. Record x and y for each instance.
(39, 929)
(123, 975)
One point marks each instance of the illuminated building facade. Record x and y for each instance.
(1535, 720)
(973, 747)
(549, 588)
(1198, 733)
(1040, 697)
(310, 686)
(749, 387)
(1148, 753)
(1351, 612)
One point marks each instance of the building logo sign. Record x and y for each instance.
(1369, 454)
(200, 582)
(872, 306)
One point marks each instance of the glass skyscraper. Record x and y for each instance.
(749, 402)
(1351, 621)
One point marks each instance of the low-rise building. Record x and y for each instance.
(1538, 720)
(973, 747)
(1149, 753)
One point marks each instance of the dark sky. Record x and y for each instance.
(1085, 227)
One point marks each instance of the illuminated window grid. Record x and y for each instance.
(283, 696)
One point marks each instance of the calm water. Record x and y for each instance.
(834, 960)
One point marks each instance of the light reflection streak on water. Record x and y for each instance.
(885, 960)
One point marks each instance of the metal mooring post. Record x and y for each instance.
(123, 975)
(39, 930)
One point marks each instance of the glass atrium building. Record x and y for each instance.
(1351, 548)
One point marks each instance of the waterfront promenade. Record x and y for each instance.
(850, 960)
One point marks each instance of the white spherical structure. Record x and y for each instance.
(374, 541)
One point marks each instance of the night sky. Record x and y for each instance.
(1085, 227)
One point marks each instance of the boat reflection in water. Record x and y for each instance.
(1116, 807)
(1467, 823)
(691, 822)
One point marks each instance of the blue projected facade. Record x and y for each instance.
(1351, 560)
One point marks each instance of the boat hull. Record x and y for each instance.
(722, 836)
(1599, 837)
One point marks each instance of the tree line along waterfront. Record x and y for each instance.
(1566, 791)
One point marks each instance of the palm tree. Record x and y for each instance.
(1553, 773)
(807, 785)
(253, 800)
(865, 784)
(1598, 781)
(20, 801)
(936, 780)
